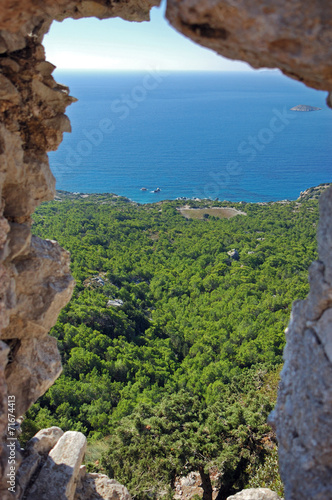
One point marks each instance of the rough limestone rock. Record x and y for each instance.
(28, 469)
(97, 486)
(35, 282)
(36, 365)
(5, 468)
(44, 440)
(291, 35)
(255, 494)
(59, 475)
(34, 457)
(45, 266)
(303, 415)
(51, 469)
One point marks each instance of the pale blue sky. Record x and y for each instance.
(114, 44)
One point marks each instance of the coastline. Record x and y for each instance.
(309, 193)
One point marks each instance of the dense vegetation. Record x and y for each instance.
(171, 348)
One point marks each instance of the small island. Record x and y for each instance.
(305, 107)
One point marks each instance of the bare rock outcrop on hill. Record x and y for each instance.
(35, 281)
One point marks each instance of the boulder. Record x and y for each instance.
(255, 494)
(27, 470)
(58, 477)
(44, 440)
(99, 486)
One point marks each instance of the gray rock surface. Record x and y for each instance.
(99, 486)
(28, 469)
(59, 475)
(51, 469)
(43, 265)
(35, 455)
(44, 440)
(255, 494)
(303, 415)
(35, 366)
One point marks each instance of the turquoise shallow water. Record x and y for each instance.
(225, 135)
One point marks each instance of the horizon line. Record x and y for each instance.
(165, 70)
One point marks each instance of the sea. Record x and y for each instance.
(152, 135)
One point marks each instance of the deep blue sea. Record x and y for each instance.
(208, 135)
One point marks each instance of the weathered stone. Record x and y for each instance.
(11, 64)
(320, 295)
(35, 366)
(99, 486)
(5, 281)
(4, 351)
(59, 122)
(27, 470)
(323, 330)
(11, 451)
(54, 97)
(304, 108)
(10, 42)
(289, 35)
(58, 478)
(35, 455)
(11, 155)
(255, 494)
(16, 17)
(88, 8)
(46, 269)
(45, 68)
(19, 240)
(38, 186)
(44, 440)
(303, 415)
(6, 285)
(324, 235)
(8, 92)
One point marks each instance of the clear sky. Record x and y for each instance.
(114, 44)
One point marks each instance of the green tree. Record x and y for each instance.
(182, 434)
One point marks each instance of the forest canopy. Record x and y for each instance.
(172, 342)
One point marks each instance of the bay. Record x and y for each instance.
(193, 134)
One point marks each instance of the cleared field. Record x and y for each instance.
(201, 213)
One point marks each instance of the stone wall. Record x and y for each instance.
(35, 278)
(35, 283)
(303, 415)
